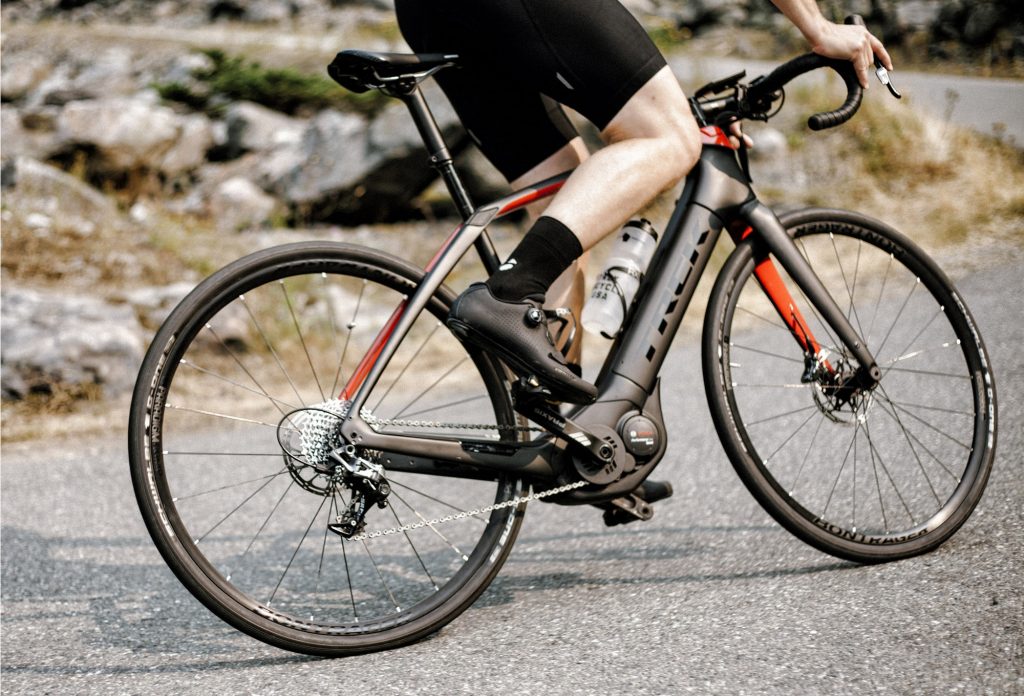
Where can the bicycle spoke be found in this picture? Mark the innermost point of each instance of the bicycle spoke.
(238, 507)
(259, 392)
(244, 369)
(849, 289)
(765, 352)
(812, 407)
(296, 552)
(888, 475)
(929, 373)
(913, 450)
(912, 341)
(441, 407)
(899, 314)
(302, 340)
(267, 520)
(225, 416)
(323, 549)
(380, 575)
(920, 444)
(436, 500)
(414, 550)
(842, 468)
(800, 427)
(270, 347)
(397, 379)
(179, 498)
(401, 413)
(878, 484)
(931, 408)
(928, 425)
(348, 337)
(803, 462)
(878, 302)
(432, 527)
(344, 555)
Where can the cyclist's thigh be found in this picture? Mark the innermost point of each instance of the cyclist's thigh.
(521, 57)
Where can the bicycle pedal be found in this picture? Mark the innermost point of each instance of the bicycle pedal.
(637, 506)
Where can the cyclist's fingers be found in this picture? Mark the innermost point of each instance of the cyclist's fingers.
(879, 50)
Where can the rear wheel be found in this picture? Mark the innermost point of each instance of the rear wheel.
(229, 443)
(878, 474)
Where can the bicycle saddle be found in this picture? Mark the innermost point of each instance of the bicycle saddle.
(360, 71)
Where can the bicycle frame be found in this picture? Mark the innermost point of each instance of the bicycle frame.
(717, 195)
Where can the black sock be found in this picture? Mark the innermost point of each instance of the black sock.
(547, 249)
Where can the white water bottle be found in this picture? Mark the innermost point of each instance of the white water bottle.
(616, 287)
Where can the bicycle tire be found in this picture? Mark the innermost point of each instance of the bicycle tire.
(208, 478)
(797, 451)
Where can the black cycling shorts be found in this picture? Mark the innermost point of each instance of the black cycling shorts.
(522, 58)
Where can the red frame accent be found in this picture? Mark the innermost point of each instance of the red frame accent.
(356, 380)
(775, 288)
(505, 206)
(713, 135)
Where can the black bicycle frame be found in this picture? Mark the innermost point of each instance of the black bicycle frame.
(717, 195)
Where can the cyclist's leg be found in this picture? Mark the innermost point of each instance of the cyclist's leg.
(569, 290)
(653, 143)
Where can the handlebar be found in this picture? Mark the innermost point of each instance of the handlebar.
(755, 100)
(761, 91)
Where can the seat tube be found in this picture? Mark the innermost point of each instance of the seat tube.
(779, 243)
(441, 160)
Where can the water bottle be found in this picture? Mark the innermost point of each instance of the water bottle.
(617, 285)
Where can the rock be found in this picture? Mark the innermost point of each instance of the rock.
(18, 140)
(22, 75)
(983, 21)
(189, 151)
(51, 339)
(128, 133)
(255, 128)
(153, 304)
(57, 194)
(334, 157)
(238, 203)
(918, 14)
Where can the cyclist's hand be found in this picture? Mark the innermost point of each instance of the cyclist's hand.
(736, 132)
(853, 43)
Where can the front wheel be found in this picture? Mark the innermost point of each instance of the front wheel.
(868, 475)
(230, 448)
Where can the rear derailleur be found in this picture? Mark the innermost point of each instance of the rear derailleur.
(368, 487)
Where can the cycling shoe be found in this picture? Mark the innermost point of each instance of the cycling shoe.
(517, 333)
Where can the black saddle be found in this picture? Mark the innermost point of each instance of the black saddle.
(361, 71)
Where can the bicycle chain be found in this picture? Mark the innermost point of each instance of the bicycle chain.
(471, 513)
(373, 420)
(514, 502)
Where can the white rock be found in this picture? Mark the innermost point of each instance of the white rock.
(238, 203)
(191, 147)
(255, 128)
(54, 338)
(128, 132)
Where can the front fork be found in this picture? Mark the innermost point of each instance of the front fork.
(776, 242)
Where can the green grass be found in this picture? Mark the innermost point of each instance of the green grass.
(234, 78)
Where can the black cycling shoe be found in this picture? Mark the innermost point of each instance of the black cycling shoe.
(517, 333)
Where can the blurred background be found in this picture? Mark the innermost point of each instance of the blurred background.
(145, 144)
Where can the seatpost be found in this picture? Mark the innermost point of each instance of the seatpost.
(440, 159)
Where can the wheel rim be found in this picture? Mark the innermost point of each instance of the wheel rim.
(889, 465)
(252, 522)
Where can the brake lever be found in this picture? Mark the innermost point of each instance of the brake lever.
(883, 76)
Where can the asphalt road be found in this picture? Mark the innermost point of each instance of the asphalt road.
(709, 597)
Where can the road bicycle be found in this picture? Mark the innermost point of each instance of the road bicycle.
(326, 467)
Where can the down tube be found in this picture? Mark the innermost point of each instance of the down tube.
(671, 284)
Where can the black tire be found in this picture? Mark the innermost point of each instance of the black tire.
(894, 474)
(243, 525)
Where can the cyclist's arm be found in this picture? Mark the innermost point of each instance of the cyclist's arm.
(843, 41)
